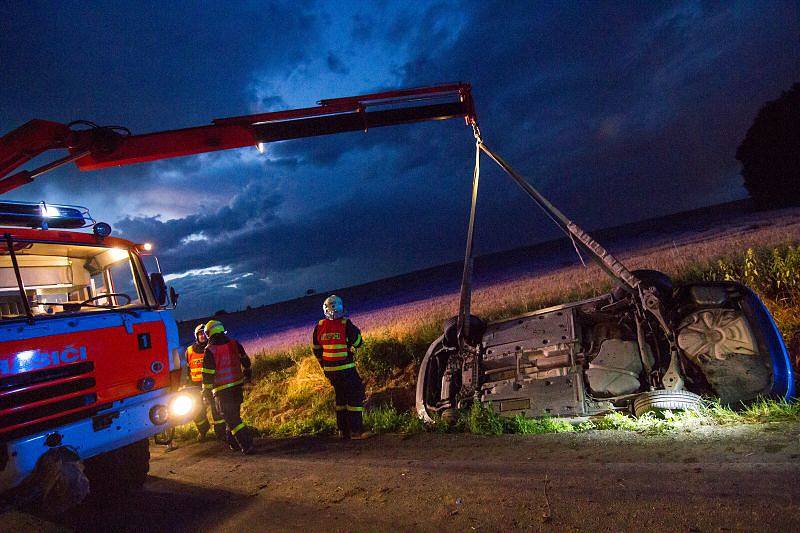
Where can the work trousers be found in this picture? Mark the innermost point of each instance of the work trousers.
(201, 420)
(350, 396)
(229, 403)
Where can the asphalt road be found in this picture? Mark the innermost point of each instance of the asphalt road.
(704, 480)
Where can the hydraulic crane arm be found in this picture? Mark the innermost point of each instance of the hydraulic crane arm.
(94, 147)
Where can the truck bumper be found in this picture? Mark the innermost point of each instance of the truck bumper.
(125, 422)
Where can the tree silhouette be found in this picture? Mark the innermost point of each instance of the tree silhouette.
(770, 152)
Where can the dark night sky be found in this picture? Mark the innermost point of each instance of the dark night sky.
(617, 111)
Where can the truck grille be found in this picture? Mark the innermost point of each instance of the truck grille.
(37, 400)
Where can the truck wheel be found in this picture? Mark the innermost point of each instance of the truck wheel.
(663, 400)
(119, 471)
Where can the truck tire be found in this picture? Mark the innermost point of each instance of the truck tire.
(663, 400)
(119, 471)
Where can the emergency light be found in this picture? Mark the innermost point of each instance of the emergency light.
(43, 215)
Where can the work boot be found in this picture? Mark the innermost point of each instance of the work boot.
(362, 436)
(245, 440)
(232, 443)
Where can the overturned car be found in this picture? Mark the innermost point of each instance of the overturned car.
(648, 345)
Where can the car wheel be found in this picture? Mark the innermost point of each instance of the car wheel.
(663, 400)
(477, 328)
(650, 278)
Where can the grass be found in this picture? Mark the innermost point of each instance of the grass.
(290, 396)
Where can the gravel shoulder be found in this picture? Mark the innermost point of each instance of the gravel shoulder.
(707, 479)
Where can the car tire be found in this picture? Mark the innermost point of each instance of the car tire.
(650, 278)
(119, 471)
(663, 400)
(477, 328)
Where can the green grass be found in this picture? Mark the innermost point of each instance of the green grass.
(482, 420)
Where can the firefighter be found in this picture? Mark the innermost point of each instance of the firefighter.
(194, 362)
(333, 342)
(225, 369)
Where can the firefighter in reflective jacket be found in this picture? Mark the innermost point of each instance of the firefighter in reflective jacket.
(194, 362)
(333, 342)
(225, 369)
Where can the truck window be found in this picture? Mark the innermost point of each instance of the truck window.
(66, 279)
(122, 280)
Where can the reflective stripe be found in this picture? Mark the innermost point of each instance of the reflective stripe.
(207, 386)
(228, 385)
(340, 367)
(341, 407)
(338, 355)
(203, 424)
(335, 347)
(237, 429)
(209, 371)
(358, 340)
(218, 422)
(351, 408)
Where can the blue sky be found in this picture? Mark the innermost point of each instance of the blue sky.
(617, 111)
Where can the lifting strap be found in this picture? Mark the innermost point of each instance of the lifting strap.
(575, 233)
(462, 325)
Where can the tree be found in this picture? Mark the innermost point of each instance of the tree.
(770, 152)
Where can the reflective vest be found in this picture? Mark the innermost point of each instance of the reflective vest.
(332, 336)
(195, 361)
(227, 368)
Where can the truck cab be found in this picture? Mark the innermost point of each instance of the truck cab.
(90, 361)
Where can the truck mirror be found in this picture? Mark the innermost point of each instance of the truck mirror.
(159, 287)
(173, 297)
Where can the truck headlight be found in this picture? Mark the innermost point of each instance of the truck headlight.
(182, 404)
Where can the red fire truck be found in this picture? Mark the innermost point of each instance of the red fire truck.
(89, 353)
(90, 362)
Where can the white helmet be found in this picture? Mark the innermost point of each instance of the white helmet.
(333, 307)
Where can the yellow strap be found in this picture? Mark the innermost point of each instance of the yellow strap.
(341, 407)
(228, 385)
(334, 346)
(340, 367)
(351, 408)
(209, 371)
(357, 341)
(217, 422)
(208, 386)
(237, 429)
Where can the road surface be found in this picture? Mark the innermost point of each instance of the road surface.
(742, 478)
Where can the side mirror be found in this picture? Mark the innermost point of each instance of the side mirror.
(173, 297)
(159, 288)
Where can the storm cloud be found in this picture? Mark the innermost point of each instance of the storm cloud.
(618, 112)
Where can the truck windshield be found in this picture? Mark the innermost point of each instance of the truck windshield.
(65, 279)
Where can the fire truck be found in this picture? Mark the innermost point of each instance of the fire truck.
(90, 362)
(89, 353)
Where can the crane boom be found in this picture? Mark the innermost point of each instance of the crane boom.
(96, 147)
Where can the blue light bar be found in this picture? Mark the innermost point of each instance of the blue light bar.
(43, 215)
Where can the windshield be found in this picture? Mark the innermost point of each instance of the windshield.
(65, 278)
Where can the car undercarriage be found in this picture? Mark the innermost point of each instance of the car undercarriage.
(648, 345)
